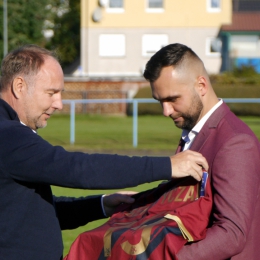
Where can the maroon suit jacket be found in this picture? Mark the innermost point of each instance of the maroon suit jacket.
(233, 154)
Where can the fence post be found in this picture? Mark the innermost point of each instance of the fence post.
(72, 122)
(135, 123)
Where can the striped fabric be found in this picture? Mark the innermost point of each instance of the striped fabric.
(155, 226)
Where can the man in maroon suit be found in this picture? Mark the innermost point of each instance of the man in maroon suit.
(180, 83)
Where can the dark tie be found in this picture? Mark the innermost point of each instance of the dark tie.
(180, 146)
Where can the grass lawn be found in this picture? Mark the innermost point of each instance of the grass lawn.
(157, 135)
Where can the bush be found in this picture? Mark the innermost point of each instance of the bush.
(245, 71)
(245, 75)
(240, 91)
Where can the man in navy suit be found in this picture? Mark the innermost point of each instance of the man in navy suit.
(179, 81)
(31, 218)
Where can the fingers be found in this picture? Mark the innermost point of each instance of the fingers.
(197, 172)
(201, 161)
(111, 201)
(115, 199)
(126, 199)
(188, 163)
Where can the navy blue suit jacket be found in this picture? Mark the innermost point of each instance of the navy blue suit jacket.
(31, 218)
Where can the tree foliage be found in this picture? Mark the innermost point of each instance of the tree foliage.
(66, 39)
(26, 20)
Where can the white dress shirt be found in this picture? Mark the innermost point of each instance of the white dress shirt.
(189, 136)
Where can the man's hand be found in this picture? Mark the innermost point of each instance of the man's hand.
(111, 201)
(188, 163)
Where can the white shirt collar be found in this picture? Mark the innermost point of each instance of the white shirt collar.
(188, 136)
(26, 125)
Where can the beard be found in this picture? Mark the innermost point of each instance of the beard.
(190, 118)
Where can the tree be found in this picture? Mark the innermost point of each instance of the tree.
(26, 21)
(66, 28)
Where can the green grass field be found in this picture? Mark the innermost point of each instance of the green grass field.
(112, 133)
(157, 135)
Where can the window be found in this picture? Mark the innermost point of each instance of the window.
(115, 3)
(213, 46)
(214, 6)
(115, 6)
(155, 3)
(112, 45)
(151, 43)
(154, 6)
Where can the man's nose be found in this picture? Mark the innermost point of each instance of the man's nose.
(57, 104)
(167, 109)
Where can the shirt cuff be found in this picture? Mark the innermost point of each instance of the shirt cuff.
(102, 205)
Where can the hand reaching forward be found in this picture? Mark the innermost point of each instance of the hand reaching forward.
(188, 163)
(111, 201)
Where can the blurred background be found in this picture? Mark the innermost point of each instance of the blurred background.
(103, 47)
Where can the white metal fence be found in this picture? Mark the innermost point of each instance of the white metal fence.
(135, 102)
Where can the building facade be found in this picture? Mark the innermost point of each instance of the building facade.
(119, 36)
(241, 38)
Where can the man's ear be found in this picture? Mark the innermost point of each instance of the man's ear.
(18, 86)
(202, 85)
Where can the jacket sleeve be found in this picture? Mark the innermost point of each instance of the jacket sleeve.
(235, 182)
(27, 157)
(75, 212)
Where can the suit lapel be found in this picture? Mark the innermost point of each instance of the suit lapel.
(210, 125)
